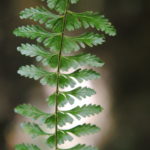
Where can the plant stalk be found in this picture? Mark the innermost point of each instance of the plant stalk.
(58, 74)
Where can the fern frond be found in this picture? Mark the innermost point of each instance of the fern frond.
(81, 147)
(53, 40)
(63, 119)
(90, 39)
(62, 138)
(26, 147)
(51, 59)
(30, 111)
(84, 129)
(38, 73)
(33, 129)
(63, 135)
(33, 32)
(41, 35)
(54, 49)
(89, 19)
(85, 75)
(85, 111)
(50, 78)
(59, 5)
(79, 60)
(75, 43)
(40, 14)
(69, 96)
(37, 51)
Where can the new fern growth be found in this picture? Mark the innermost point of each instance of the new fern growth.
(52, 49)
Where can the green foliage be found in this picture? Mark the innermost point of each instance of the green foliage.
(53, 40)
(85, 111)
(30, 111)
(33, 129)
(84, 129)
(50, 78)
(51, 59)
(81, 147)
(26, 147)
(62, 138)
(63, 119)
(69, 96)
(54, 49)
(90, 19)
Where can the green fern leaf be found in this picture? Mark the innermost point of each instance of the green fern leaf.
(81, 92)
(59, 5)
(30, 111)
(90, 39)
(74, 1)
(68, 97)
(89, 19)
(33, 50)
(50, 121)
(51, 59)
(26, 147)
(51, 40)
(85, 111)
(85, 74)
(43, 16)
(54, 53)
(84, 129)
(33, 32)
(40, 14)
(81, 147)
(63, 119)
(80, 60)
(46, 78)
(51, 141)
(50, 78)
(33, 129)
(75, 43)
(62, 138)
(38, 73)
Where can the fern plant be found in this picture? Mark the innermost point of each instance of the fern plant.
(55, 49)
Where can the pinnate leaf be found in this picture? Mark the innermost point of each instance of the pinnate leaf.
(75, 43)
(76, 61)
(28, 110)
(26, 147)
(33, 50)
(59, 5)
(90, 39)
(82, 59)
(84, 75)
(50, 78)
(69, 96)
(62, 138)
(40, 14)
(38, 73)
(85, 111)
(51, 40)
(90, 19)
(81, 147)
(84, 129)
(62, 119)
(33, 129)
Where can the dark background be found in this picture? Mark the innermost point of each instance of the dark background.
(127, 58)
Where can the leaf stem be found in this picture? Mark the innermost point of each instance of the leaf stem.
(58, 74)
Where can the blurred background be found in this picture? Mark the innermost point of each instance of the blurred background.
(123, 90)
